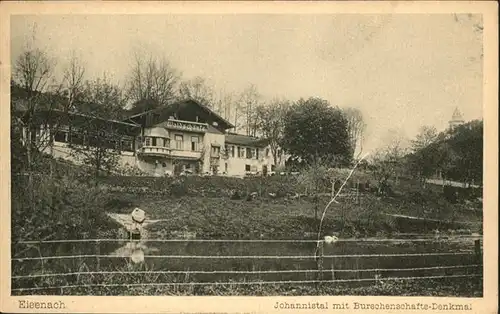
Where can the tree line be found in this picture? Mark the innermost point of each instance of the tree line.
(455, 154)
(310, 130)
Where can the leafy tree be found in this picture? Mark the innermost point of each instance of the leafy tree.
(428, 160)
(456, 153)
(317, 133)
(466, 156)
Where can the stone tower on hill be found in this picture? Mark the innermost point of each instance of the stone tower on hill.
(456, 119)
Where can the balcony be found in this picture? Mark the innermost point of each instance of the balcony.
(154, 151)
(185, 154)
(168, 152)
(187, 126)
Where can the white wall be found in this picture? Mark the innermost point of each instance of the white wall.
(237, 165)
(156, 131)
(150, 166)
(216, 139)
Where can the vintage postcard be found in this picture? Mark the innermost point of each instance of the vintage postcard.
(249, 157)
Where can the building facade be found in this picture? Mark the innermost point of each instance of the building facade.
(188, 137)
(183, 138)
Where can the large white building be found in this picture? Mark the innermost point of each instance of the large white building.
(183, 137)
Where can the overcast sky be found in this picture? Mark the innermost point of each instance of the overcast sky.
(402, 71)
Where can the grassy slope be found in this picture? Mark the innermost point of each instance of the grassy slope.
(69, 209)
(212, 216)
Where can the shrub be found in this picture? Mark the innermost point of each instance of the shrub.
(63, 209)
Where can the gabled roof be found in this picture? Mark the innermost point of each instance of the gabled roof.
(244, 140)
(221, 120)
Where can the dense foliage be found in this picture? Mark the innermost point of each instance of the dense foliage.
(457, 154)
(316, 132)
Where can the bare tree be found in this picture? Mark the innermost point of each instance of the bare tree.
(356, 128)
(249, 100)
(152, 79)
(102, 98)
(33, 118)
(94, 141)
(32, 76)
(198, 90)
(425, 137)
(96, 144)
(387, 164)
(73, 80)
(237, 113)
(270, 123)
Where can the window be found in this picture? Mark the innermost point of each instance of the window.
(231, 149)
(241, 152)
(257, 153)
(194, 143)
(254, 153)
(225, 167)
(249, 153)
(247, 167)
(215, 151)
(93, 140)
(77, 138)
(153, 141)
(60, 137)
(166, 142)
(147, 141)
(127, 145)
(178, 141)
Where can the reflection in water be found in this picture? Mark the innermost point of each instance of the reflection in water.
(134, 223)
(134, 250)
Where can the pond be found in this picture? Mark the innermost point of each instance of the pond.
(275, 261)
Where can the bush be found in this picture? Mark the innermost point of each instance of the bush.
(63, 209)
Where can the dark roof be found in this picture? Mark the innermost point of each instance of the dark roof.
(59, 117)
(180, 103)
(244, 140)
(52, 101)
(213, 130)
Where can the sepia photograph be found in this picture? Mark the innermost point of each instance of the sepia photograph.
(253, 154)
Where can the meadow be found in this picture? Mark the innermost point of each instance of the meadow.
(70, 207)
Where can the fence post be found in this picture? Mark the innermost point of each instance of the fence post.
(357, 192)
(477, 250)
(333, 269)
(98, 253)
(321, 245)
